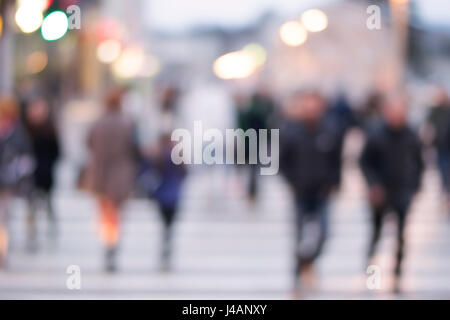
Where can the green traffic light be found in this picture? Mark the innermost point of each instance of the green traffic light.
(54, 26)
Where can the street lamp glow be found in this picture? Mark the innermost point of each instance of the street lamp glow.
(36, 62)
(257, 52)
(28, 18)
(42, 5)
(234, 65)
(293, 33)
(129, 64)
(55, 26)
(314, 20)
(109, 50)
(45, 4)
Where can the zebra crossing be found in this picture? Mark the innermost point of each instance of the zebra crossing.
(226, 248)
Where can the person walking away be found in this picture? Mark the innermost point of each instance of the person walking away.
(438, 125)
(309, 147)
(392, 164)
(343, 118)
(167, 193)
(256, 115)
(370, 113)
(46, 150)
(16, 165)
(111, 170)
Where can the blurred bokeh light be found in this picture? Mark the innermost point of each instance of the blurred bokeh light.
(29, 16)
(54, 26)
(130, 63)
(293, 33)
(36, 62)
(109, 50)
(234, 65)
(314, 20)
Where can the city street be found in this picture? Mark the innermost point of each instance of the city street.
(161, 149)
(225, 249)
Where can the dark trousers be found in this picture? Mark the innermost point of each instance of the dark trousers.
(400, 208)
(253, 181)
(312, 229)
(168, 215)
(444, 168)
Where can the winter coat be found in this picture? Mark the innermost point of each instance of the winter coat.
(393, 159)
(112, 164)
(309, 158)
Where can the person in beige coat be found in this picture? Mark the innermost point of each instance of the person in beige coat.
(111, 169)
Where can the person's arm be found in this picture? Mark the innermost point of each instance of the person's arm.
(55, 145)
(369, 163)
(287, 149)
(420, 165)
(336, 135)
(25, 152)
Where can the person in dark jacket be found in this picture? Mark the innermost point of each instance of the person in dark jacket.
(392, 164)
(16, 165)
(343, 118)
(439, 122)
(309, 147)
(45, 144)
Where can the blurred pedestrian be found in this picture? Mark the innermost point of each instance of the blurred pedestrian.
(438, 125)
(167, 191)
(371, 112)
(342, 117)
(255, 115)
(46, 150)
(309, 147)
(392, 165)
(169, 105)
(111, 170)
(16, 165)
(160, 178)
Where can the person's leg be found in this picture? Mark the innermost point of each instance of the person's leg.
(299, 224)
(312, 232)
(49, 204)
(168, 217)
(109, 230)
(444, 167)
(32, 202)
(52, 221)
(321, 219)
(3, 229)
(377, 224)
(401, 222)
(253, 183)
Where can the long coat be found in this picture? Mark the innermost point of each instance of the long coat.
(393, 159)
(309, 158)
(111, 169)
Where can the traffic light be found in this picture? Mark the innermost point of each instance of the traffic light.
(54, 26)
